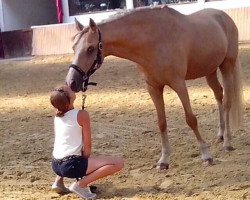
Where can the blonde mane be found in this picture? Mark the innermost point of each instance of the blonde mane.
(124, 13)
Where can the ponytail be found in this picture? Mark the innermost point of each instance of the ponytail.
(60, 113)
(60, 100)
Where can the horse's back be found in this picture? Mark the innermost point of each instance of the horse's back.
(220, 18)
(214, 37)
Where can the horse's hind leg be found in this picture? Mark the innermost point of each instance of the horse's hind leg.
(215, 85)
(227, 69)
(156, 94)
(179, 86)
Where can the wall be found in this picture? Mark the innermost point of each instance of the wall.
(188, 8)
(17, 43)
(227, 4)
(84, 19)
(21, 14)
(56, 39)
(238, 10)
(56, 45)
(241, 17)
(1, 15)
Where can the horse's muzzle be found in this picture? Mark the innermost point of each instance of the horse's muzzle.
(72, 84)
(74, 80)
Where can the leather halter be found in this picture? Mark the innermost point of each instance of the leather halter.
(96, 65)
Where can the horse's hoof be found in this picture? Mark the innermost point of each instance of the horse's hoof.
(220, 139)
(207, 162)
(228, 149)
(162, 166)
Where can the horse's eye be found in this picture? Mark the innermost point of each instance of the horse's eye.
(90, 49)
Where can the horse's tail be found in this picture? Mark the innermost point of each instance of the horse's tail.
(236, 111)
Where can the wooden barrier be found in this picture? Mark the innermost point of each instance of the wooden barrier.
(56, 39)
(241, 17)
(48, 40)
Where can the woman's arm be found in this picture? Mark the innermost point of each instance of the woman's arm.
(84, 121)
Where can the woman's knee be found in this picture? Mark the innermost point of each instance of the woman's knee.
(119, 163)
(116, 162)
(100, 161)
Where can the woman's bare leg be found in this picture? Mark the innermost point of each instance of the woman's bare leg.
(59, 187)
(59, 180)
(99, 167)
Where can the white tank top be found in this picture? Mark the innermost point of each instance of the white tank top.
(68, 135)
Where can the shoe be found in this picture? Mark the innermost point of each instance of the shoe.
(60, 189)
(84, 193)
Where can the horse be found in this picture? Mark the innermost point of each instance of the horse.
(169, 48)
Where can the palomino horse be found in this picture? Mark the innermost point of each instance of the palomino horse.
(169, 48)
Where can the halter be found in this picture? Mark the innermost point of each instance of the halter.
(96, 65)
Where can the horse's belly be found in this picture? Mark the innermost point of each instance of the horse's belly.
(204, 63)
(198, 73)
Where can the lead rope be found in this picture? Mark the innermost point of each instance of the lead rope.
(93, 188)
(84, 96)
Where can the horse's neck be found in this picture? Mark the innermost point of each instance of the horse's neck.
(121, 38)
(131, 36)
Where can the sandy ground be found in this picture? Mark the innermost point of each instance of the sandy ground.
(123, 123)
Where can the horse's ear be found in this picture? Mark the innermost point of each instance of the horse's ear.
(79, 26)
(92, 25)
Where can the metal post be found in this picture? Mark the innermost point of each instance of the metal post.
(129, 4)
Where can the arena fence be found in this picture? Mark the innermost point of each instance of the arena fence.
(57, 39)
(16, 43)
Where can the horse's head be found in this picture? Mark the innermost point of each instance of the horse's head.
(87, 55)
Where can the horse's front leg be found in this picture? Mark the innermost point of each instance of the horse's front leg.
(156, 94)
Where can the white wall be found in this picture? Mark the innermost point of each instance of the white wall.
(99, 16)
(59, 37)
(84, 19)
(186, 8)
(201, 4)
(1, 16)
(227, 4)
(21, 14)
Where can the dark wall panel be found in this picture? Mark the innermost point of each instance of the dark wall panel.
(1, 46)
(17, 43)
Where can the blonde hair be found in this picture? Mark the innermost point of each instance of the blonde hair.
(60, 100)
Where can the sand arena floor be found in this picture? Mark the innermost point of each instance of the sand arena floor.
(123, 123)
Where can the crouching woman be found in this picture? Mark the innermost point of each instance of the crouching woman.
(72, 147)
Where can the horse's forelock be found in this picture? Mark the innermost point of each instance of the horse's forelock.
(79, 34)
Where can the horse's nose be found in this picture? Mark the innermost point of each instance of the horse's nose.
(72, 85)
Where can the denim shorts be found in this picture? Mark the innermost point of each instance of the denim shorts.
(74, 167)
